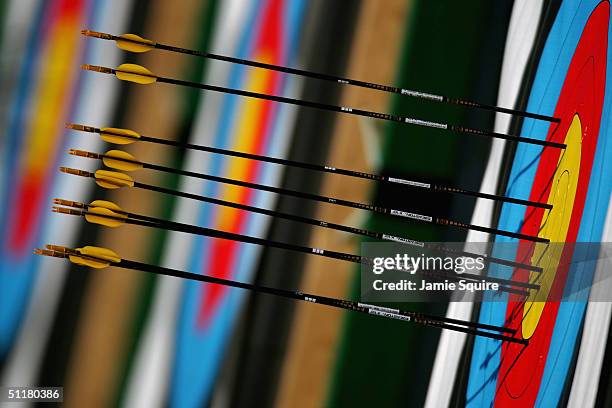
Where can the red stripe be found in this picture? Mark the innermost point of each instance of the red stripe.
(28, 197)
(224, 253)
(521, 369)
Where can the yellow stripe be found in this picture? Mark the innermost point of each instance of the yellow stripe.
(246, 137)
(554, 226)
(53, 90)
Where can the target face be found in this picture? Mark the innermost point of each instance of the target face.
(570, 84)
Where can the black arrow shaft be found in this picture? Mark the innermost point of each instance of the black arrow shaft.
(325, 224)
(315, 197)
(261, 241)
(271, 189)
(419, 318)
(210, 232)
(335, 108)
(345, 203)
(152, 222)
(360, 112)
(443, 322)
(345, 172)
(347, 81)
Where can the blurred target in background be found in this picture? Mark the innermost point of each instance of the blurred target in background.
(115, 338)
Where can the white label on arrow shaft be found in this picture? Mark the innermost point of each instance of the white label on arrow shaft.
(411, 215)
(426, 123)
(387, 314)
(402, 240)
(409, 182)
(380, 308)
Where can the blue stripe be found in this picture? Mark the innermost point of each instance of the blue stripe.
(200, 352)
(552, 69)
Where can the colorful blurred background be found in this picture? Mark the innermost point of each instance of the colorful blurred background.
(116, 337)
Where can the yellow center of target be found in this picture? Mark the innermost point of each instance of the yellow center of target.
(555, 225)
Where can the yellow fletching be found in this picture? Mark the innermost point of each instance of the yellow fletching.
(99, 252)
(100, 215)
(113, 179)
(105, 204)
(117, 159)
(135, 73)
(119, 136)
(94, 257)
(92, 263)
(134, 43)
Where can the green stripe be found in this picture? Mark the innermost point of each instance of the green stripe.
(3, 5)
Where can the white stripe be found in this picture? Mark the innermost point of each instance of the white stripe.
(595, 333)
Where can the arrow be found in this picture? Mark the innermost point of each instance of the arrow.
(91, 256)
(127, 161)
(125, 136)
(113, 210)
(140, 75)
(112, 216)
(407, 316)
(114, 157)
(135, 43)
(97, 213)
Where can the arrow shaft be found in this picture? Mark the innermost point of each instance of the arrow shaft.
(274, 160)
(371, 234)
(361, 112)
(270, 189)
(473, 328)
(346, 203)
(347, 81)
(210, 232)
(329, 200)
(121, 217)
(324, 106)
(423, 319)
(345, 172)
(290, 217)
(333, 226)
(152, 222)
(193, 229)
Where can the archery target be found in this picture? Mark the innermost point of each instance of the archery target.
(570, 84)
